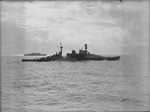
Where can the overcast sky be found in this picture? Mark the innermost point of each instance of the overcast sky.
(108, 27)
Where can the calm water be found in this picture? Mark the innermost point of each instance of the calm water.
(85, 86)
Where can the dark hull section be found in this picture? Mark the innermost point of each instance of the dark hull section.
(95, 59)
(72, 59)
(104, 58)
(35, 60)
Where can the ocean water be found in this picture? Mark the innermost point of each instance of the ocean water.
(84, 86)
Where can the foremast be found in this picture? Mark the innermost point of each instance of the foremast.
(61, 47)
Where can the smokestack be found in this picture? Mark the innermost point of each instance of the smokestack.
(85, 47)
(61, 48)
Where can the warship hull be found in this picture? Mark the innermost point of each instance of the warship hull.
(34, 60)
(65, 59)
(82, 55)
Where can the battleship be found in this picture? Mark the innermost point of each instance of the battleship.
(35, 54)
(73, 56)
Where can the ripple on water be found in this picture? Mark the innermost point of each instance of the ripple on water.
(74, 87)
(71, 85)
(75, 97)
(51, 88)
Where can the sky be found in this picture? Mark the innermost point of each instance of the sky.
(108, 27)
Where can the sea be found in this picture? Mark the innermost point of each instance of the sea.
(75, 86)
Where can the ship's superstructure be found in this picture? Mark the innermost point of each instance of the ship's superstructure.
(83, 55)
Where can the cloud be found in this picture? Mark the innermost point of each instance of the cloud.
(38, 39)
(12, 38)
(110, 25)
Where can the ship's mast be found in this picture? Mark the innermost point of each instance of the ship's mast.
(85, 47)
(61, 48)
